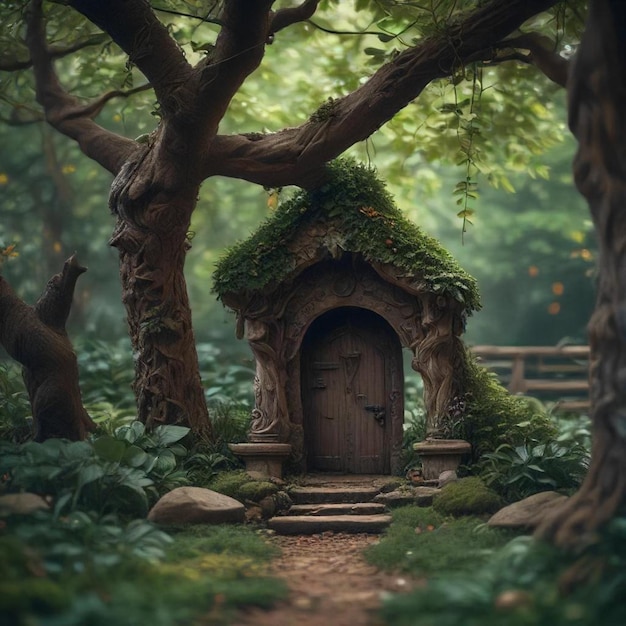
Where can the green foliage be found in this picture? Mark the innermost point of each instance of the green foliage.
(121, 473)
(467, 496)
(520, 585)
(106, 372)
(423, 542)
(493, 416)
(414, 426)
(15, 411)
(367, 222)
(207, 459)
(79, 570)
(520, 471)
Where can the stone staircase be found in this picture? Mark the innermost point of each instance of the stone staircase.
(346, 509)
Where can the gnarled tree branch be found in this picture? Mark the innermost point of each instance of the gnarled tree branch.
(542, 55)
(286, 17)
(36, 338)
(66, 113)
(297, 155)
(55, 52)
(238, 52)
(134, 27)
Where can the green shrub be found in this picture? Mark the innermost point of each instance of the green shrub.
(15, 411)
(467, 496)
(493, 416)
(521, 471)
(122, 473)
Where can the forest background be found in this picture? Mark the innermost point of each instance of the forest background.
(501, 201)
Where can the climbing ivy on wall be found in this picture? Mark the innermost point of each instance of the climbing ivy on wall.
(356, 201)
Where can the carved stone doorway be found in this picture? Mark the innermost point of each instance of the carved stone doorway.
(352, 392)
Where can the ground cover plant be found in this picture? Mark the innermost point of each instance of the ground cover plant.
(78, 570)
(524, 583)
(423, 542)
(89, 556)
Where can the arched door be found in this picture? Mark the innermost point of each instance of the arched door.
(351, 391)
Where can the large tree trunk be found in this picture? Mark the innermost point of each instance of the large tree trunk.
(36, 338)
(151, 236)
(597, 116)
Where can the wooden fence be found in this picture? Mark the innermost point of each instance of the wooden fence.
(557, 374)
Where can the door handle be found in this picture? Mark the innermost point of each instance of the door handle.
(378, 412)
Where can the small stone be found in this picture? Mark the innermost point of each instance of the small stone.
(254, 514)
(527, 513)
(195, 505)
(446, 477)
(513, 599)
(21, 504)
(268, 506)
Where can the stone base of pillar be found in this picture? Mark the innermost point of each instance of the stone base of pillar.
(439, 455)
(262, 459)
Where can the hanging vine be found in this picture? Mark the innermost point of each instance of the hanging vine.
(468, 129)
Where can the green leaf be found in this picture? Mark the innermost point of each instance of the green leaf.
(109, 448)
(168, 434)
(134, 456)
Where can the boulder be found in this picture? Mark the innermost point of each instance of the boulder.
(527, 513)
(21, 504)
(195, 505)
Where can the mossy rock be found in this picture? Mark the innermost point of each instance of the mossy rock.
(240, 486)
(229, 483)
(468, 496)
(256, 490)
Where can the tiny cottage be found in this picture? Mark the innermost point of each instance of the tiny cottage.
(328, 292)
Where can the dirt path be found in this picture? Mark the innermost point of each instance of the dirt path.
(330, 583)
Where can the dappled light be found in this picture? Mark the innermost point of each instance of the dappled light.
(266, 203)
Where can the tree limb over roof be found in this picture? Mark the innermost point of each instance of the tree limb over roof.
(195, 99)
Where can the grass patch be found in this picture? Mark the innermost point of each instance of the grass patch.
(475, 577)
(207, 573)
(422, 542)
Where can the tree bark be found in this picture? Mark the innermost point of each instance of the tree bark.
(597, 92)
(36, 338)
(157, 182)
(151, 236)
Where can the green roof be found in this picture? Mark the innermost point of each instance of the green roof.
(367, 221)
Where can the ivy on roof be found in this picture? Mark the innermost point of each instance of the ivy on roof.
(357, 202)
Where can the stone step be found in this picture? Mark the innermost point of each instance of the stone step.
(330, 495)
(343, 508)
(312, 524)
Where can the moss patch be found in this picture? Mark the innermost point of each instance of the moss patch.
(363, 211)
(468, 496)
(424, 543)
(493, 416)
(257, 490)
(240, 486)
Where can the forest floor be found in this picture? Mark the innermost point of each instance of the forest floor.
(330, 583)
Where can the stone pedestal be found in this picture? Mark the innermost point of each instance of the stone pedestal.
(263, 459)
(439, 455)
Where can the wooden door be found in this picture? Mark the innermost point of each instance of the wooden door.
(351, 360)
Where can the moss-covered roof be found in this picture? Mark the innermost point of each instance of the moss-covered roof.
(363, 211)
